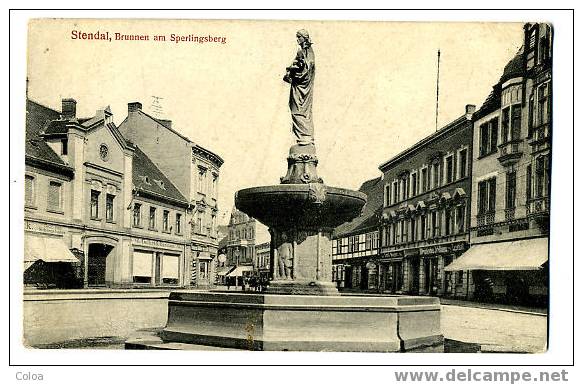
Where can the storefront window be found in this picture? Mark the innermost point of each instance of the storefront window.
(142, 266)
(170, 267)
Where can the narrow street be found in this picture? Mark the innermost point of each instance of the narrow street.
(495, 330)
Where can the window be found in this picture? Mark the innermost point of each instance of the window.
(95, 204)
(505, 127)
(423, 227)
(460, 213)
(530, 115)
(484, 139)
(142, 266)
(413, 229)
(404, 188)
(199, 225)
(435, 224)
(54, 196)
(137, 215)
(543, 104)
(64, 146)
(487, 196)
(528, 182)
(201, 177)
(405, 230)
(449, 169)
(152, 219)
(448, 220)
(542, 176)
(511, 190)
(463, 163)
(424, 184)
(178, 223)
(435, 175)
(394, 234)
(29, 190)
(387, 195)
(492, 195)
(493, 135)
(516, 122)
(414, 184)
(165, 215)
(395, 192)
(109, 207)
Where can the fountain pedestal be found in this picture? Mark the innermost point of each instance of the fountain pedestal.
(301, 309)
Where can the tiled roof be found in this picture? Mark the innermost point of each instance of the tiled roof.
(37, 117)
(148, 178)
(514, 68)
(370, 213)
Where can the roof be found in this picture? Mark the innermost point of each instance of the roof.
(37, 117)
(148, 179)
(515, 67)
(423, 142)
(370, 213)
(491, 103)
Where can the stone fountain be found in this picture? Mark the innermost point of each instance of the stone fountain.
(301, 309)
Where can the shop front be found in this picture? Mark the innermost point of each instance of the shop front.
(48, 259)
(511, 271)
(157, 263)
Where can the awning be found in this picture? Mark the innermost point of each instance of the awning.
(224, 270)
(527, 254)
(238, 271)
(46, 249)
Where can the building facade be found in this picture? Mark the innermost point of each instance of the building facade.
(426, 212)
(356, 262)
(511, 178)
(195, 172)
(84, 184)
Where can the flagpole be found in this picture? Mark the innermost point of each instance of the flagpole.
(437, 96)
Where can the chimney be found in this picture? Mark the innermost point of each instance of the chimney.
(470, 109)
(68, 108)
(134, 107)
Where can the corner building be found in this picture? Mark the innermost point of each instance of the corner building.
(97, 211)
(511, 169)
(426, 212)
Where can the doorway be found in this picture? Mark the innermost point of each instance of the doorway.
(97, 263)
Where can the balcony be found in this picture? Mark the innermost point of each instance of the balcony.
(510, 152)
(538, 207)
(509, 213)
(541, 137)
(485, 219)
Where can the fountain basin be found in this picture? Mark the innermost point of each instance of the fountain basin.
(306, 206)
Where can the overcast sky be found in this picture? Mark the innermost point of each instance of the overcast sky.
(374, 88)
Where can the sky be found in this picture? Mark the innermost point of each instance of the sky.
(374, 95)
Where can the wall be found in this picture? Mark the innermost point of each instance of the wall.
(54, 316)
(170, 152)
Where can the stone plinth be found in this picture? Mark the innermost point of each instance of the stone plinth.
(301, 323)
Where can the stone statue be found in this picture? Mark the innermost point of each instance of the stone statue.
(301, 75)
(285, 258)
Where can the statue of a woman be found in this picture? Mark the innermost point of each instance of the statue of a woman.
(301, 77)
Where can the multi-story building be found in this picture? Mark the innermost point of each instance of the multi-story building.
(355, 245)
(195, 172)
(511, 178)
(96, 201)
(426, 211)
(247, 245)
